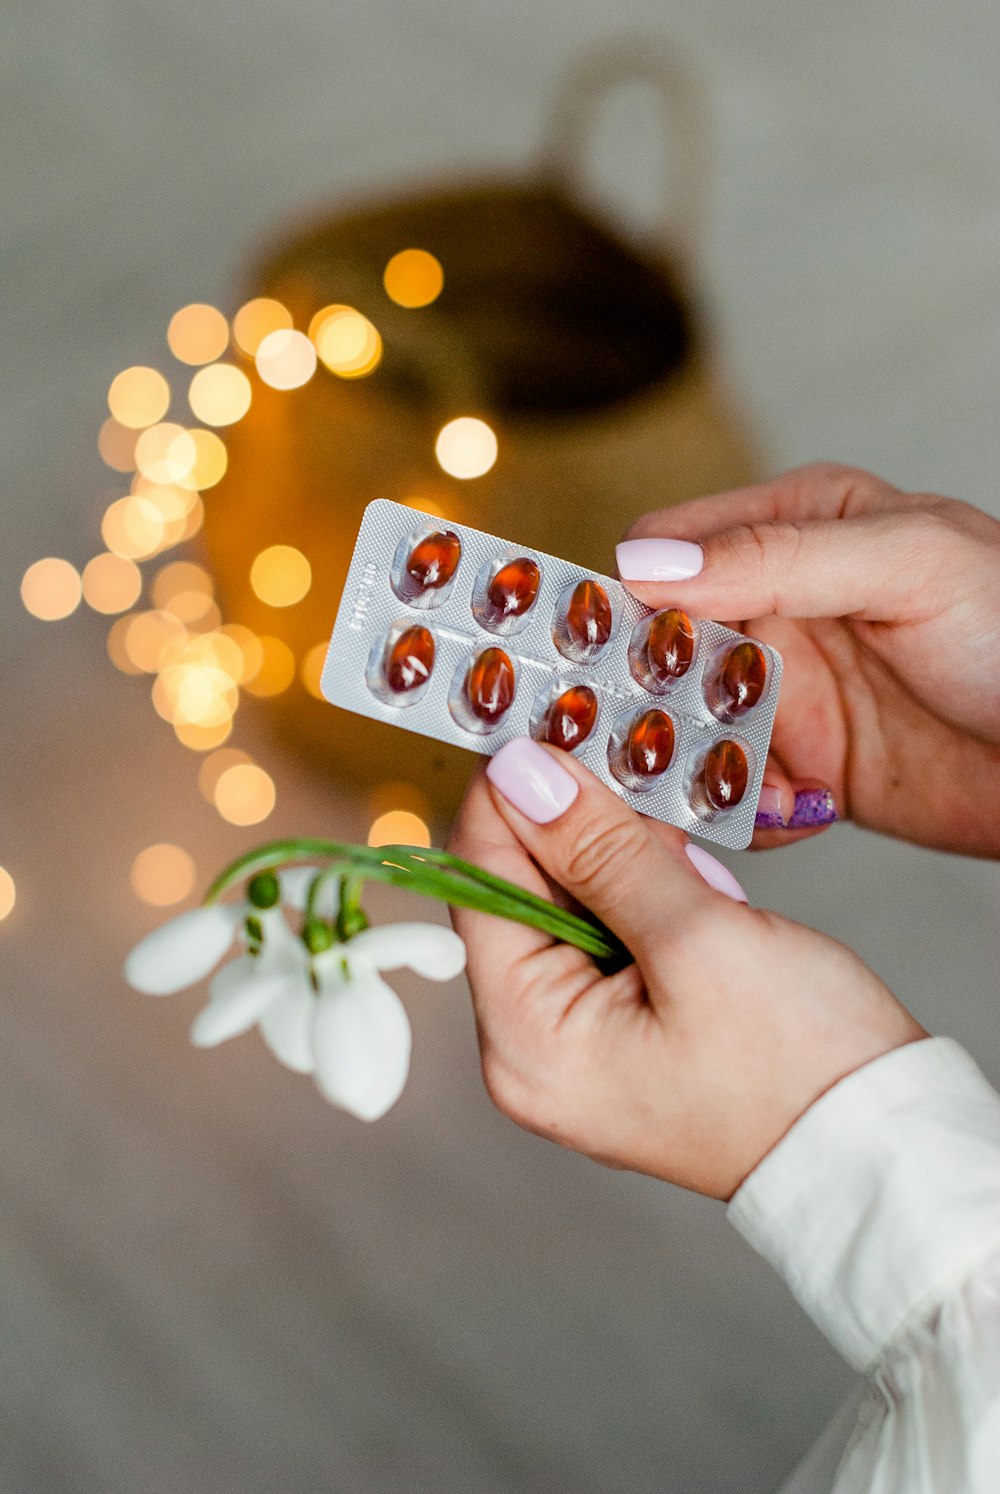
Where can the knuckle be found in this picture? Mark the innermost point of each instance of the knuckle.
(599, 847)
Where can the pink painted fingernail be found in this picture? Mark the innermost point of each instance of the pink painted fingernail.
(658, 560)
(769, 815)
(532, 780)
(714, 873)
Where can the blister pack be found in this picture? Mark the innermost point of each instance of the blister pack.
(464, 637)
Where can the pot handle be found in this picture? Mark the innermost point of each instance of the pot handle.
(684, 117)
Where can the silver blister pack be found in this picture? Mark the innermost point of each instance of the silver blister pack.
(425, 599)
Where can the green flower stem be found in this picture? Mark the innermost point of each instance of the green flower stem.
(432, 873)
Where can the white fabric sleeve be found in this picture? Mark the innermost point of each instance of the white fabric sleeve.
(881, 1209)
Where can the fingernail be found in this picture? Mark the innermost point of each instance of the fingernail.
(769, 816)
(532, 780)
(714, 873)
(813, 807)
(658, 560)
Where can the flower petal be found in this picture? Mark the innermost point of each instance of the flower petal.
(295, 883)
(361, 1038)
(428, 948)
(286, 1027)
(239, 994)
(183, 951)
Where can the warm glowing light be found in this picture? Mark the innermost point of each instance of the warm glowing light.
(254, 321)
(198, 333)
(132, 527)
(281, 575)
(399, 827)
(211, 459)
(202, 738)
(111, 583)
(146, 638)
(311, 668)
(250, 649)
(166, 453)
(244, 794)
(138, 397)
(177, 577)
(276, 671)
(213, 767)
(194, 695)
(286, 359)
(8, 893)
(219, 394)
(116, 443)
(346, 341)
(162, 874)
(117, 650)
(413, 278)
(51, 589)
(466, 447)
(173, 501)
(395, 794)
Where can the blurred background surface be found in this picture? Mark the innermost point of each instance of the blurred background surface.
(209, 1280)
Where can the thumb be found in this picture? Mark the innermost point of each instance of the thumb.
(869, 566)
(592, 844)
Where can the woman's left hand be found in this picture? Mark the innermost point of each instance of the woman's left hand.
(691, 1063)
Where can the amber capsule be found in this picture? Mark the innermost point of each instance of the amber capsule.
(588, 621)
(670, 645)
(433, 560)
(649, 745)
(409, 661)
(740, 681)
(489, 685)
(725, 774)
(513, 589)
(570, 718)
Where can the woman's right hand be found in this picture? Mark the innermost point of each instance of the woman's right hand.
(885, 606)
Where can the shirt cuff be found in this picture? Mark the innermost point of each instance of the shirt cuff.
(882, 1195)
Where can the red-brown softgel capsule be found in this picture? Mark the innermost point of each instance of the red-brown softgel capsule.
(588, 616)
(741, 679)
(513, 588)
(408, 663)
(725, 774)
(670, 645)
(489, 685)
(570, 719)
(433, 560)
(649, 745)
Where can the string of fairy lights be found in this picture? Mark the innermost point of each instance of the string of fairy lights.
(167, 626)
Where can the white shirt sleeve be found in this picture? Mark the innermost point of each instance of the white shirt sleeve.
(881, 1209)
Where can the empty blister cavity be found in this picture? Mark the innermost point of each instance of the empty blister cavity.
(505, 592)
(565, 715)
(401, 664)
(736, 680)
(641, 748)
(483, 690)
(662, 649)
(425, 566)
(584, 622)
(718, 776)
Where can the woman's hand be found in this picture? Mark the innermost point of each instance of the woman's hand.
(886, 608)
(694, 1061)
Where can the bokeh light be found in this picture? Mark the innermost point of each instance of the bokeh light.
(281, 575)
(51, 589)
(146, 637)
(413, 277)
(202, 738)
(166, 453)
(133, 527)
(174, 501)
(116, 444)
(213, 767)
(197, 333)
(219, 394)
(177, 578)
(347, 342)
(118, 646)
(211, 459)
(244, 794)
(398, 827)
(286, 359)
(396, 794)
(466, 447)
(311, 668)
(111, 583)
(255, 320)
(162, 874)
(250, 648)
(138, 397)
(8, 894)
(276, 670)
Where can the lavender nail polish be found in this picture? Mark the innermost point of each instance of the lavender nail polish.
(813, 807)
(532, 780)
